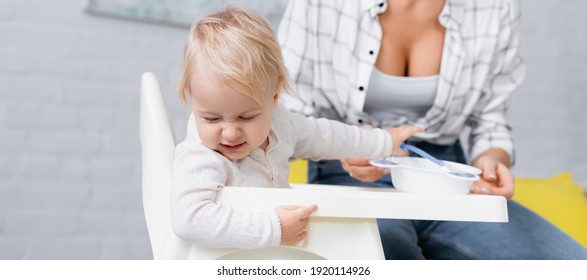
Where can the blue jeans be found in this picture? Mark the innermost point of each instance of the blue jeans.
(525, 236)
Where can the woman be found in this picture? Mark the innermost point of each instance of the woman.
(450, 66)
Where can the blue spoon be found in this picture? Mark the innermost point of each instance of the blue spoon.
(382, 163)
(438, 162)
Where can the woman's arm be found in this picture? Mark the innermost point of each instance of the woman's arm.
(489, 120)
(490, 141)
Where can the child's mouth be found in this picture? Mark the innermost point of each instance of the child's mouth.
(232, 147)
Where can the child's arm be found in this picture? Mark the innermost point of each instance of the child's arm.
(321, 139)
(198, 175)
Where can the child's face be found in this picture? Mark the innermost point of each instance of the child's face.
(227, 121)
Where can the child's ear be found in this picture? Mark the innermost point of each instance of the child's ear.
(276, 97)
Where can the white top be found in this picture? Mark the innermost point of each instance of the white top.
(394, 97)
(330, 48)
(199, 173)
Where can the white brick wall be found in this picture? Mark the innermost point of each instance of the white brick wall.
(69, 148)
(69, 153)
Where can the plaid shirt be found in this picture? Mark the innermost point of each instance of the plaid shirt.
(330, 48)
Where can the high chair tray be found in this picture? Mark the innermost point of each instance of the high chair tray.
(362, 202)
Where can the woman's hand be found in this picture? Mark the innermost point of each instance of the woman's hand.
(362, 170)
(294, 221)
(496, 177)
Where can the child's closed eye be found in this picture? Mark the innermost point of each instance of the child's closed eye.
(211, 120)
(248, 118)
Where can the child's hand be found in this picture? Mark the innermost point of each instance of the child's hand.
(294, 221)
(400, 135)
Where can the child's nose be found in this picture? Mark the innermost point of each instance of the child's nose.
(230, 132)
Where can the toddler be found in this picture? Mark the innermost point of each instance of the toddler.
(239, 135)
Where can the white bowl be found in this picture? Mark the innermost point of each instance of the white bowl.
(420, 175)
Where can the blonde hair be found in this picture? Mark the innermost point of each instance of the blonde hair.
(238, 47)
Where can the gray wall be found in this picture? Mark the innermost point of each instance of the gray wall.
(69, 153)
(548, 114)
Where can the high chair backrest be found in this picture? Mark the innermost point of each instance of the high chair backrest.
(157, 149)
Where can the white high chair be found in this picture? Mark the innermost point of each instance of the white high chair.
(343, 227)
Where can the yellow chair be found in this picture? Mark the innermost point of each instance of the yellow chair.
(558, 199)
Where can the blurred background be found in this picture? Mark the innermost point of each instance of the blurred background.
(70, 163)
